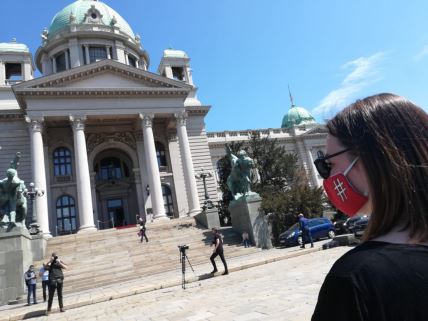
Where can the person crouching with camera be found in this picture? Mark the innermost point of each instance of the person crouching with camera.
(56, 281)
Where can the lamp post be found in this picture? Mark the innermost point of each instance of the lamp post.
(208, 204)
(31, 194)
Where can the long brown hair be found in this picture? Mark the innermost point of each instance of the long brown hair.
(390, 134)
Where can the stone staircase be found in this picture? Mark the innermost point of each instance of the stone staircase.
(113, 256)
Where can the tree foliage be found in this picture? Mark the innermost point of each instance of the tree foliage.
(281, 183)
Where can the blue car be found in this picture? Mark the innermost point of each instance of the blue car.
(319, 227)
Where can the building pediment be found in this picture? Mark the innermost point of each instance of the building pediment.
(104, 78)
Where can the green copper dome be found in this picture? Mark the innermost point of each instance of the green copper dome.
(297, 116)
(77, 10)
(13, 46)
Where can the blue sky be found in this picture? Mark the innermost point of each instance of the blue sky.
(246, 52)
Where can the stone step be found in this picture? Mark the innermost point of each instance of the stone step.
(113, 256)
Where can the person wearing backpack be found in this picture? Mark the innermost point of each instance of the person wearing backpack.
(31, 282)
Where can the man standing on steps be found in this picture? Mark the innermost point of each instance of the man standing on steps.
(306, 233)
(56, 280)
(218, 250)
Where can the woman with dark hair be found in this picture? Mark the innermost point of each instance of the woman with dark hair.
(376, 163)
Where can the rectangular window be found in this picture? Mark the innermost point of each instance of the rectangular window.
(97, 54)
(177, 73)
(132, 61)
(60, 62)
(13, 73)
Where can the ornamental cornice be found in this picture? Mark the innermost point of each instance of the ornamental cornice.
(11, 117)
(55, 92)
(93, 140)
(89, 71)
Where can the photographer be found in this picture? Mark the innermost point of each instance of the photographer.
(56, 279)
(218, 250)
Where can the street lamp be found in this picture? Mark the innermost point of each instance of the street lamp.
(208, 204)
(31, 193)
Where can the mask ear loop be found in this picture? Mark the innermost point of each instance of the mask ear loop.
(350, 166)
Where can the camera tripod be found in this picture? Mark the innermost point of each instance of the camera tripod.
(183, 257)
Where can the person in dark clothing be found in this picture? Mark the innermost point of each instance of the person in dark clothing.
(306, 233)
(56, 281)
(376, 163)
(31, 282)
(142, 232)
(218, 250)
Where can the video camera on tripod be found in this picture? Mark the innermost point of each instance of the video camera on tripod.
(182, 248)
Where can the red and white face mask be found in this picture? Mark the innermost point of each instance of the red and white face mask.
(341, 193)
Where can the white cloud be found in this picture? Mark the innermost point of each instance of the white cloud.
(421, 54)
(364, 71)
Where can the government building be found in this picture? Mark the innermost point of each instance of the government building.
(106, 138)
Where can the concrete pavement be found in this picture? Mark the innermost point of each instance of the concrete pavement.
(279, 284)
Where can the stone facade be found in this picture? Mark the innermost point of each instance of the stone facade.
(104, 137)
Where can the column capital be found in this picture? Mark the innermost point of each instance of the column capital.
(77, 122)
(35, 124)
(146, 120)
(181, 118)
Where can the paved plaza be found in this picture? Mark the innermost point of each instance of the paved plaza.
(282, 290)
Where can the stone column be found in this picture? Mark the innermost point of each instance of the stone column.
(138, 185)
(75, 53)
(186, 157)
(87, 55)
(83, 179)
(40, 204)
(108, 52)
(67, 62)
(2, 73)
(94, 198)
(152, 167)
(54, 65)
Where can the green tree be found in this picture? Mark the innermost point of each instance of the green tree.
(281, 183)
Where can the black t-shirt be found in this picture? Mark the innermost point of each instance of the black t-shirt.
(217, 236)
(55, 271)
(376, 281)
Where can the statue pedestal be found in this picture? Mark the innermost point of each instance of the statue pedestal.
(18, 250)
(245, 216)
(208, 218)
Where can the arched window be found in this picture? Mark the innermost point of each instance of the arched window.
(62, 161)
(111, 168)
(160, 154)
(66, 215)
(167, 200)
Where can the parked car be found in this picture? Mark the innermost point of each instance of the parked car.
(360, 226)
(340, 227)
(320, 227)
(350, 222)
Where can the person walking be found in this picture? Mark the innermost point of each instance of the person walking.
(306, 232)
(31, 282)
(56, 281)
(44, 274)
(142, 231)
(376, 163)
(218, 251)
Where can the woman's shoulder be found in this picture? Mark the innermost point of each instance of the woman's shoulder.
(373, 255)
